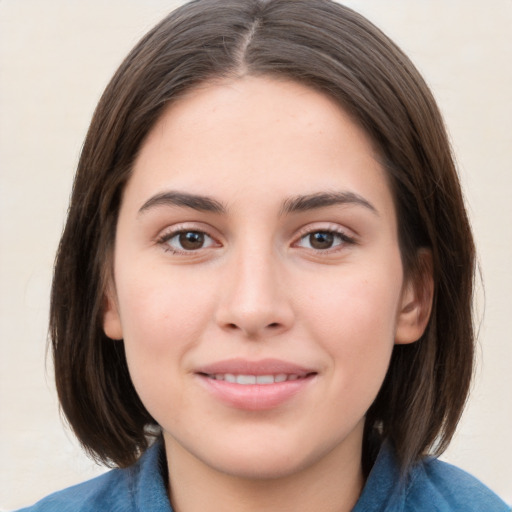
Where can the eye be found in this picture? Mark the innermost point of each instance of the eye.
(187, 241)
(323, 240)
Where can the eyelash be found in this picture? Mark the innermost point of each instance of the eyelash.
(343, 238)
(165, 238)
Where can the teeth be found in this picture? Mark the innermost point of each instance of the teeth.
(254, 379)
(246, 379)
(265, 379)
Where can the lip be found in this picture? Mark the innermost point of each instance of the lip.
(255, 397)
(239, 366)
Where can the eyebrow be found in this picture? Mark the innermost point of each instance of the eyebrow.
(184, 199)
(294, 204)
(323, 199)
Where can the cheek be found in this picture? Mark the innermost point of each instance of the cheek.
(161, 311)
(163, 320)
(355, 323)
(359, 311)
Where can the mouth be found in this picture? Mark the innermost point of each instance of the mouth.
(247, 379)
(255, 385)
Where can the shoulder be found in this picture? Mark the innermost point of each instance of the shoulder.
(446, 488)
(97, 494)
(429, 486)
(119, 489)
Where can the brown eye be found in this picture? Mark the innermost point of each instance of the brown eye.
(187, 241)
(321, 239)
(191, 240)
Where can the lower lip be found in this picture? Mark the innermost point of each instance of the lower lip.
(255, 397)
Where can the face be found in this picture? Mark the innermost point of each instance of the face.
(258, 283)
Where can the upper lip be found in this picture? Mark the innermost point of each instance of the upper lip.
(239, 366)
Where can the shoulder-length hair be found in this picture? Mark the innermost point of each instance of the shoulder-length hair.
(334, 50)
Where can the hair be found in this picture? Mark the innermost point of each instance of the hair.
(336, 51)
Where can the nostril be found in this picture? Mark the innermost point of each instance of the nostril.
(273, 325)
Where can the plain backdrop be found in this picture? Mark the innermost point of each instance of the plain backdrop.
(56, 56)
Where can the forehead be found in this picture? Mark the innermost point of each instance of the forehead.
(239, 138)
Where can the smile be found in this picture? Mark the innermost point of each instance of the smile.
(255, 385)
(255, 379)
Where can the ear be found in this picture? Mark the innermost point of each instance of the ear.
(416, 301)
(111, 319)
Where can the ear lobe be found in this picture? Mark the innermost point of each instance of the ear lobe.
(416, 301)
(111, 319)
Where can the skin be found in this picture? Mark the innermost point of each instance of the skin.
(260, 286)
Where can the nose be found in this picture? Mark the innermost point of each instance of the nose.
(254, 300)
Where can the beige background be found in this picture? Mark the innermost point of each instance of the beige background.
(56, 56)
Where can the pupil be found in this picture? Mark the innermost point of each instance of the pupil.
(191, 240)
(322, 240)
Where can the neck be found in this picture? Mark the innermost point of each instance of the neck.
(332, 484)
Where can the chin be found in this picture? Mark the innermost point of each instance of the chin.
(268, 461)
(261, 468)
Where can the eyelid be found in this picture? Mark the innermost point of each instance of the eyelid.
(347, 235)
(171, 231)
(325, 226)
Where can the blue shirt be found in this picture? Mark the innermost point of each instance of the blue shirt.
(432, 486)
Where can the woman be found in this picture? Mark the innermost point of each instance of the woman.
(267, 267)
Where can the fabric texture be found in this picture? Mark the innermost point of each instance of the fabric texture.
(431, 485)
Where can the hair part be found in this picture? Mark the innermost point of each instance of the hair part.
(339, 53)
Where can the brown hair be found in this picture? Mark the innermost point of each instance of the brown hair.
(336, 51)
